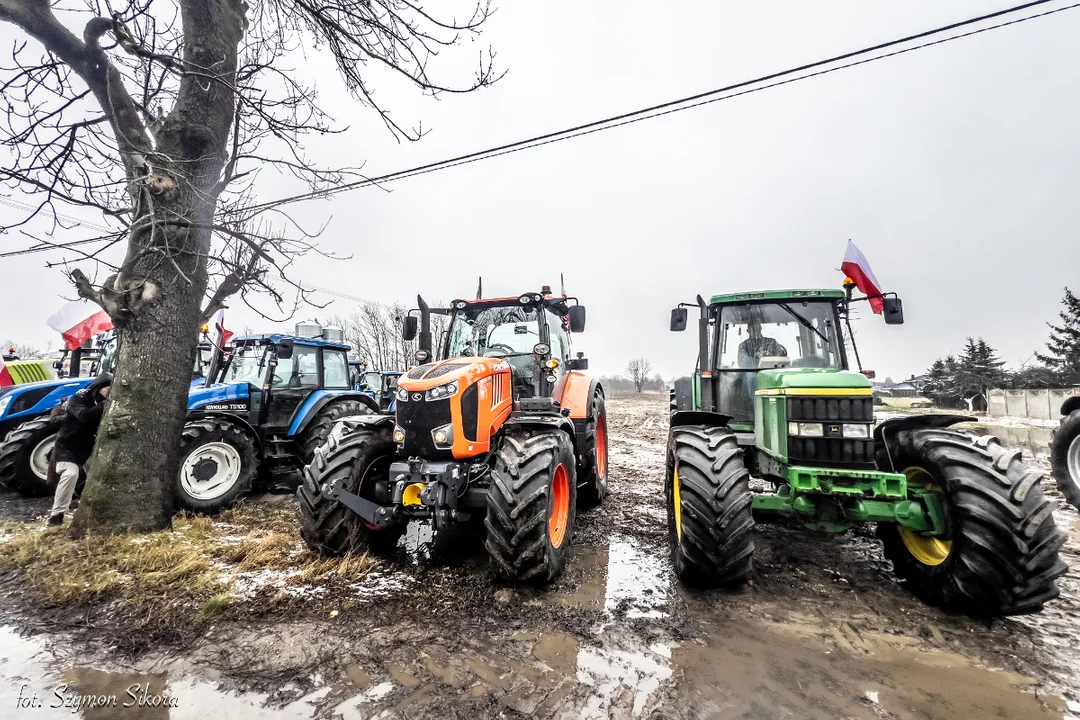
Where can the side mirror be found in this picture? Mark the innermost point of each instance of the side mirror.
(579, 363)
(284, 349)
(893, 309)
(408, 327)
(577, 318)
(678, 319)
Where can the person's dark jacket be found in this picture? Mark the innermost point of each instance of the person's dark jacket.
(82, 416)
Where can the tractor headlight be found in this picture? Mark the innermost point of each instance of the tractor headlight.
(402, 395)
(399, 434)
(856, 431)
(443, 436)
(541, 350)
(441, 391)
(807, 429)
(4, 402)
(422, 356)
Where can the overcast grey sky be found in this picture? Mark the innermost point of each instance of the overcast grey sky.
(955, 169)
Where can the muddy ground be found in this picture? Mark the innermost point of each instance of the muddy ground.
(822, 631)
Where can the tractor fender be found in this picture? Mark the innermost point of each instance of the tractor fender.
(885, 433)
(373, 421)
(699, 417)
(575, 391)
(546, 422)
(319, 399)
(1070, 406)
(230, 418)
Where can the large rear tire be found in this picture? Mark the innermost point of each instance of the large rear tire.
(531, 506)
(218, 463)
(24, 457)
(1065, 458)
(999, 555)
(593, 472)
(319, 430)
(709, 501)
(362, 456)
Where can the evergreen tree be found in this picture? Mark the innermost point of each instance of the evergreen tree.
(1063, 348)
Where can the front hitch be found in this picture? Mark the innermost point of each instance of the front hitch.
(371, 513)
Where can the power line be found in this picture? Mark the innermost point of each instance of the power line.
(686, 103)
(29, 207)
(681, 104)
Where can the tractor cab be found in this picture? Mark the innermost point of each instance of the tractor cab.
(755, 341)
(380, 385)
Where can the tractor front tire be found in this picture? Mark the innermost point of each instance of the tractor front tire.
(360, 456)
(218, 463)
(1065, 458)
(24, 457)
(999, 555)
(593, 472)
(531, 506)
(710, 518)
(319, 430)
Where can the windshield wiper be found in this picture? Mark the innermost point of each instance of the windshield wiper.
(806, 323)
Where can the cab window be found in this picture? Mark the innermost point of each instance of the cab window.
(560, 342)
(305, 367)
(335, 369)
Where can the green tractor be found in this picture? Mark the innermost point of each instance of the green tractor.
(962, 519)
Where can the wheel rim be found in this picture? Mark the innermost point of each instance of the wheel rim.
(560, 506)
(39, 457)
(601, 446)
(1073, 460)
(209, 471)
(930, 551)
(676, 501)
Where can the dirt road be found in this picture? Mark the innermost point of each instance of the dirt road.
(823, 631)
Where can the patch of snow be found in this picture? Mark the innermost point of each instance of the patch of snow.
(378, 585)
(872, 696)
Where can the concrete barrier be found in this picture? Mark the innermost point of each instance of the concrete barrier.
(1037, 404)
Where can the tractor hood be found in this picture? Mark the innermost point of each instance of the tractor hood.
(424, 377)
(222, 396)
(783, 379)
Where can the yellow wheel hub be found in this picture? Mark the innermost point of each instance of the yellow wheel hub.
(677, 502)
(927, 550)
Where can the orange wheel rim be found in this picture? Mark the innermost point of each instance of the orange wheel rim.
(560, 506)
(601, 446)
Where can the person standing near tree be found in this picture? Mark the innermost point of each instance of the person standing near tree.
(75, 441)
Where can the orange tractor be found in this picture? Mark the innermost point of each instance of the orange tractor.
(502, 427)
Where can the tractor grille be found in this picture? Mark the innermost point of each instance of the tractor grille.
(831, 450)
(443, 369)
(418, 372)
(470, 411)
(418, 418)
(830, 409)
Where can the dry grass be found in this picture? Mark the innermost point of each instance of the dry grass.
(188, 574)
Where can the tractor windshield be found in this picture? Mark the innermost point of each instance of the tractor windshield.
(494, 332)
(247, 364)
(762, 336)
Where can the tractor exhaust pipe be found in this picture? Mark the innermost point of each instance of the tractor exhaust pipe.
(707, 397)
(424, 341)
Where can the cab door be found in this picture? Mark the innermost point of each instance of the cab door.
(293, 380)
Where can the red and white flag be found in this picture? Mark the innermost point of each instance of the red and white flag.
(78, 321)
(858, 269)
(218, 335)
(5, 374)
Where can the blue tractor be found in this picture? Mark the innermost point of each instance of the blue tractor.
(275, 400)
(379, 385)
(27, 432)
(261, 405)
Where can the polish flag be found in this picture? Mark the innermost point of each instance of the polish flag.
(78, 321)
(5, 375)
(858, 269)
(216, 329)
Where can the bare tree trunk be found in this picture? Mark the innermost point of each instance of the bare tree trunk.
(155, 300)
